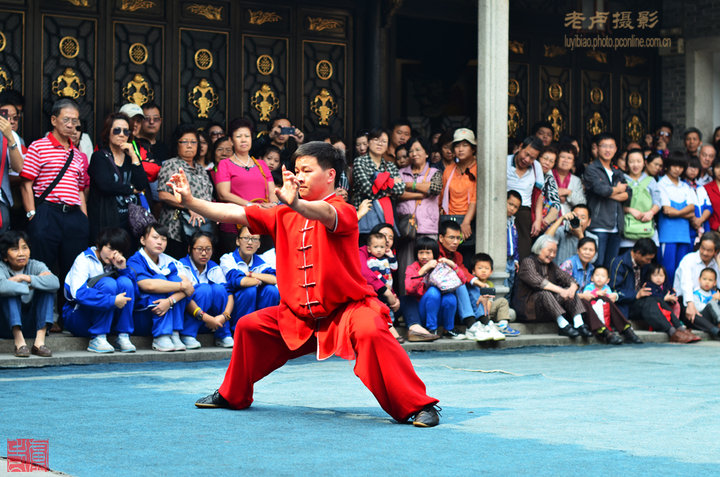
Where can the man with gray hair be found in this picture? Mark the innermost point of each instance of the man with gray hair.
(706, 154)
(53, 179)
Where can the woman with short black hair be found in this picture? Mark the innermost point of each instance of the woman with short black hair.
(27, 294)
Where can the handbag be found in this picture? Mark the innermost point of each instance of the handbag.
(374, 216)
(641, 199)
(188, 230)
(407, 224)
(139, 215)
(444, 278)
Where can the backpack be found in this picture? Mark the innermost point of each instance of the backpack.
(641, 200)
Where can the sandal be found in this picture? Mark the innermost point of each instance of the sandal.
(400, 339)
(22, 352)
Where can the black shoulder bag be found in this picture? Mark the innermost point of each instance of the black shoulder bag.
(55, 181)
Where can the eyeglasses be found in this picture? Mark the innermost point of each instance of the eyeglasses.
(188, 143)
(123, 131)
(202, 249)
(663, 133)
(379, 141)
(73, 121)
(454, 238)
(228, 150)
(217, 134)
(152, 119)
(250, 239)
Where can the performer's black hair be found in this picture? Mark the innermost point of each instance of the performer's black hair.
(327, 156)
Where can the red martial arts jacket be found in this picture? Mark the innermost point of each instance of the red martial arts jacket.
(318, 274)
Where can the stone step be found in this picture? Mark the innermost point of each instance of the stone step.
(62, 356)
(66, 342)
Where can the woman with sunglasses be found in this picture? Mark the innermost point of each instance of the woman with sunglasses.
(116, 177)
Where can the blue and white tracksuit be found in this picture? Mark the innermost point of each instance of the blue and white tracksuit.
(211, 295)
(92, 311)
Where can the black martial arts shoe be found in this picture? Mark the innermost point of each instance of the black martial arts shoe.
(611, 338)
(569, 331)
(429, 416)
(211, 401)
(630, 337)
(584, 331)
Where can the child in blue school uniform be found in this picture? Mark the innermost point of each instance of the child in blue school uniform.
(677, 201)
(100, 293)
(162, 291)
(251, 281)
(209, 308)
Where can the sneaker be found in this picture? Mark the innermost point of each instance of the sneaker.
(163, 343)
(470, 332)
(482, 333)
(505, 329)
(124, 344)
(190, 342)
(226, 342)
(177, 342)
(453, 335)
(100, 344)
(495, 332)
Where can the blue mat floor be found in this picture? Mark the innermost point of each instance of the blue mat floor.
(643, 410)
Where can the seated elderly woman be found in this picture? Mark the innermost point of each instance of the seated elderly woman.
(27, 294)
(545, 292)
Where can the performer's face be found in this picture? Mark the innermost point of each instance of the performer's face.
(315, 182)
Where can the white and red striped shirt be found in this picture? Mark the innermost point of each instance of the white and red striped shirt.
(44, 161)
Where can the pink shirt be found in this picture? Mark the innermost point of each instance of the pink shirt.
(247, 184)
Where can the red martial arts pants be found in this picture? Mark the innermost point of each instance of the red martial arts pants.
(381, 363)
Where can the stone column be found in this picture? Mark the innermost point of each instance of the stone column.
(492, 104)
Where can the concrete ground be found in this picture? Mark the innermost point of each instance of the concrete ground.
(592, 410)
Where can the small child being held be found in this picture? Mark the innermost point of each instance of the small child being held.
(492, 314)
(382, 262)
(706, 297)
(598, 288)
(598, 285)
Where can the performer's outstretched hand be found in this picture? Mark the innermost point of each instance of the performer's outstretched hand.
(288, 194)
(180, 186)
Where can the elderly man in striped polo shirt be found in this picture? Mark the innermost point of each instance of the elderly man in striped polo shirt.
(53, 179)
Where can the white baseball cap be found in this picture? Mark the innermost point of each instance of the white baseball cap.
(464, 134)
(132, 110)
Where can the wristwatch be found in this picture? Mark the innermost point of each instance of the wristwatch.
(30, 214)
(13, 146)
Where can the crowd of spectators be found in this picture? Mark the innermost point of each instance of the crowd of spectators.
(591, 241)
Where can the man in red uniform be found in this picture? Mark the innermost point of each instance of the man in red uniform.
(326, 305)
